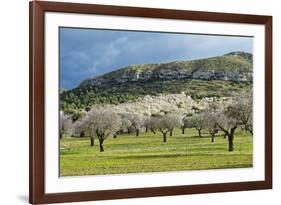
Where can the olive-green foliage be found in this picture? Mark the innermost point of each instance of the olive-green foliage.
(74, 113)
(147, 153)
(115, 93)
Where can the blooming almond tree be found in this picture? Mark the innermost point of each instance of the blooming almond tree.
(228, 125)
(237, 114)
(146, 123)
(186, 123)
(136, 122)
(125, 124)
(242, 110)
(79, 127)
(65, 124)
(101, 123)
(167, 122)
(197, 121)
(210, 116)
(153, 124)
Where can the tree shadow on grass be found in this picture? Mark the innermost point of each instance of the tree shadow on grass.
(206, 136)
(151, 156)
(202, 137)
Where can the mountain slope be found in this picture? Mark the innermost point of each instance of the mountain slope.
(235, 66)
(216, 76)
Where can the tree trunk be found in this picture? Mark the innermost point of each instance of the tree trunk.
(137, 132)
(129, 131)
(224, 136)
(230, 143)
(182, 130)
(115, 136)
(146, 129)
(82, 134)
(231, 138)
(101, 148)
(92, 141)
(165, 137)
(101, 145)
(199, 133)
(60, 135)
(171, 132)
(213, 137)
(251, 131)
(152, 130)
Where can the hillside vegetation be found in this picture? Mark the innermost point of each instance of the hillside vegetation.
(212, 77)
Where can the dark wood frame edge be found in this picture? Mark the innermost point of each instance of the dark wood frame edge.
(36, 104)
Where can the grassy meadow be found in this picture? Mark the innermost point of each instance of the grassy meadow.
(148, 153)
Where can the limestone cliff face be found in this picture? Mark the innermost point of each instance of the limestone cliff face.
(236, 66)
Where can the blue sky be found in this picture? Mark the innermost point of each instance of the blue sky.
(86, 53)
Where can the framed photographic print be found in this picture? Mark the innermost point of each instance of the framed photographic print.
(138, 102)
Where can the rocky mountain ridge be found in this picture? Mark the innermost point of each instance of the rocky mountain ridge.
(219, 76)
(235, 66)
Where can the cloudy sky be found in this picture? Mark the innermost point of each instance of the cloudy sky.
(87, 53)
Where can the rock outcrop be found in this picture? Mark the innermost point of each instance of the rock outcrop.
(235, 66)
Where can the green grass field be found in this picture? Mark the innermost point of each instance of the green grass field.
(147, 153)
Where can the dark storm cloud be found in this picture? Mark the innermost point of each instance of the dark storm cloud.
(86, 53)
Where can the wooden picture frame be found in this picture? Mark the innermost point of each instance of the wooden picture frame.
(38, 9)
